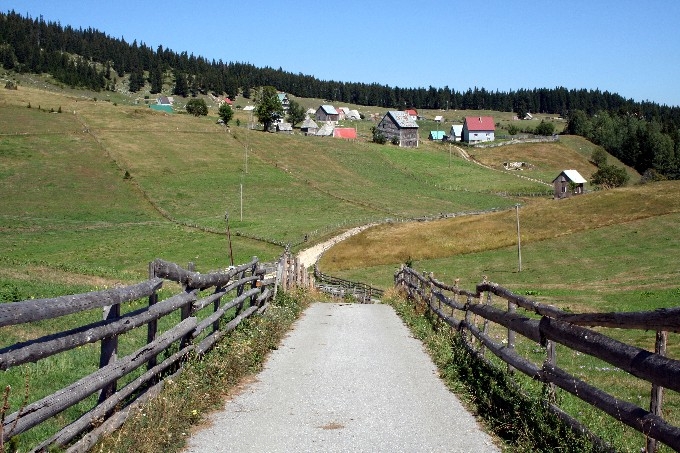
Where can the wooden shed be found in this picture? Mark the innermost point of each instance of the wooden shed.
(399, 126)
(568, 183)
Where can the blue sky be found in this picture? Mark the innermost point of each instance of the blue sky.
(627, 47)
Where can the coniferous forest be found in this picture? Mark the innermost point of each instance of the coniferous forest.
(642, 134)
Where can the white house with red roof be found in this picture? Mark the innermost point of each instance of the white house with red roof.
(413, 113)
(478, 129)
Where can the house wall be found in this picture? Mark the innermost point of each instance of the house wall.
(408, 137)
(478, 136)
(562, 190)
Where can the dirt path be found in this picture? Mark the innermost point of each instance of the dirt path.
(310, 256)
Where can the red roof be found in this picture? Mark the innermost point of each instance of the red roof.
(228, 101)
(480, 123)
(412, 112)
(345, 132)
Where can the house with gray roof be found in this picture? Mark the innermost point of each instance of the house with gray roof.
(327, 113)
(400, 127)
(568, 183)
(309, 127)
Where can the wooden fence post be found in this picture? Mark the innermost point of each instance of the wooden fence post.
(551, 359)
(253, 284)
(185, 312)
(109, 350)
(152, 327)
(512, 308)
(485, 325)
(656, 402)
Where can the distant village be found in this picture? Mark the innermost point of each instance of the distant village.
(400, 128)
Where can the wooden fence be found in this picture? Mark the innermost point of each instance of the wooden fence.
(465, 311)
(205, 308)
(339, 287)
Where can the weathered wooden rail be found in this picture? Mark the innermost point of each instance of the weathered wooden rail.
(205, 308)
(465, 311)
(339, 287)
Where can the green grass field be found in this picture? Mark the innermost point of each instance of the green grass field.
(92, 194)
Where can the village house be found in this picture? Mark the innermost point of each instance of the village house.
(478, 129)
(568, 183)
(348, 133)
(413, 113)
(436, 135)
(327, 113)
(399, 126)
(456, 133)
(284, 128)
(285, 102)
(309, 127)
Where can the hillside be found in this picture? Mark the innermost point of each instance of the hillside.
(95, 192)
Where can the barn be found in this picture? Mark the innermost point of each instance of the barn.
(568, 183)
(399, 126)
(478, 129)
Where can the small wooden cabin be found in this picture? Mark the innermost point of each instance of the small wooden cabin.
(568, 183)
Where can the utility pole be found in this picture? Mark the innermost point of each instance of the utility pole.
(519, 240)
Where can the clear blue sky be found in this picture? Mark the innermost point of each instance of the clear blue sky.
(627, 47)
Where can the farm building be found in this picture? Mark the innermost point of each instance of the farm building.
(353, 115)
(164, 100)
(309, 127)
(568, 183)
(456, 133)
(413, 113)
(436, 135)
(345, 132)
(162, 108)
(285, 102)
(399, 125)
(478, 129)
(284, 128)
(439, 118)
(326, 130)
(327, 113)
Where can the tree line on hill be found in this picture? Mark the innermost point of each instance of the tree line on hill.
(91, 59)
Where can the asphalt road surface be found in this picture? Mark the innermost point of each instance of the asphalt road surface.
(348, 378)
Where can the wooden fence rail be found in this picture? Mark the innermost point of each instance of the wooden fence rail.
(554, 326)
(340, 287)
(210, 306)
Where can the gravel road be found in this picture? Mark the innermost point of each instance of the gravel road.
(348, 378)
(310, 256)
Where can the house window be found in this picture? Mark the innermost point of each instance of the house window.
(564, 189)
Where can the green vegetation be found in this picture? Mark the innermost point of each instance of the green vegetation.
(91, 195)
(197, 107)
(489, 392)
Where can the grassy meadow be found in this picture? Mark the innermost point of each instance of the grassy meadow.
(96, 185)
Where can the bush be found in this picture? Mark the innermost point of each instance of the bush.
(599, 157)
(545, 128)
(610, 176)
(197, 107)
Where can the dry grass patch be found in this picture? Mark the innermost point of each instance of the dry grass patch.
(543, 219)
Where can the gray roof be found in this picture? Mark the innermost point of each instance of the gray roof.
(309, 123)
(284, 127)
(329, 109)
(402, 119)
(457, 130)
(573, 175)
(326, 130)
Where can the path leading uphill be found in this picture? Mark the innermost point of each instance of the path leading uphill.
(348, 378)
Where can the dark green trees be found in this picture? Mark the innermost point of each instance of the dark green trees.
(197, 107)
(269, 108)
